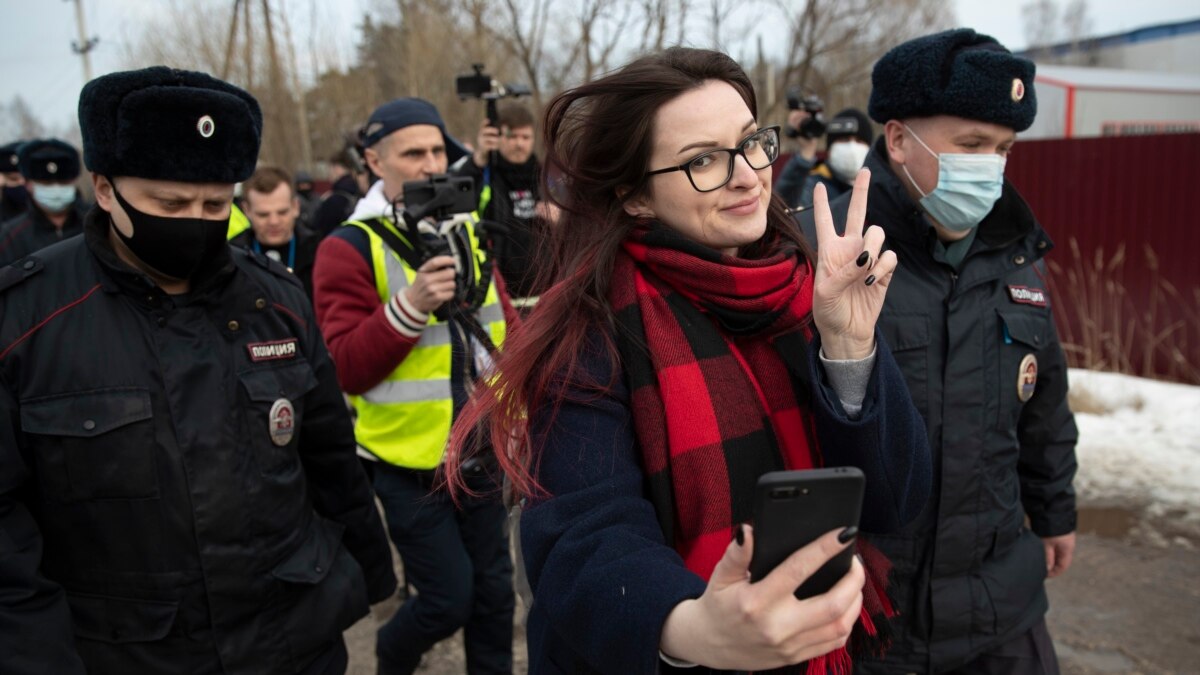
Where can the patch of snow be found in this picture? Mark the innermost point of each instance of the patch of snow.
(1141, 443)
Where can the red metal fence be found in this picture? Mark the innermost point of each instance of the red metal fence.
(1123, 214)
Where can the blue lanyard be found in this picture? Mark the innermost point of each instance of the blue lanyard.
(291, 263)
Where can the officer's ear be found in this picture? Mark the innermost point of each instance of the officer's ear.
(103, 188)
(895, 135)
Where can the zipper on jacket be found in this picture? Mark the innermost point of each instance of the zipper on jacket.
(953, 285)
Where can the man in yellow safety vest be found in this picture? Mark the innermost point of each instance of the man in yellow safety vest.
(408, 364)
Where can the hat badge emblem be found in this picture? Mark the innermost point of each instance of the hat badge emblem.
(13, 160)
(51, 168)
(1018, 89)
(206, 126)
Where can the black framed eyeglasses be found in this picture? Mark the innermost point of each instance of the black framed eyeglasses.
(713, 169)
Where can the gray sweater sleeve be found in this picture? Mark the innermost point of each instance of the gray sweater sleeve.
(849, 380)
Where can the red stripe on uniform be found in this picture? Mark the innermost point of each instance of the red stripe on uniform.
(13, 235)
(302, 322)
(47, 320)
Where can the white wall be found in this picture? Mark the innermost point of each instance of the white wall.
(1094, 108)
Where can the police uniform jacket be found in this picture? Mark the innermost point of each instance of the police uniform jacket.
(32, 230)
(969, 572)
(179, 491)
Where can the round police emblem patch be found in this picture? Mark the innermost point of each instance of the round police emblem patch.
(1018, 89)
(1027, 378)
(282, 422)
(206, 126)
(51, 168)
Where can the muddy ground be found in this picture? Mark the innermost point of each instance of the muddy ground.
(1130, 603)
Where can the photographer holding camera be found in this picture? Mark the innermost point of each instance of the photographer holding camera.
(409, 346)
(805, 124)
(506, 168)
(848, 139)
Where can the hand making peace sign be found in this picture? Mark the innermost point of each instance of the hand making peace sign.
(851, 277)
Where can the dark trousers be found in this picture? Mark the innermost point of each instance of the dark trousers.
(1029, 654)
(457, 561)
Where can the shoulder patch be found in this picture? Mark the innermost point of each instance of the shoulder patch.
(19, 271)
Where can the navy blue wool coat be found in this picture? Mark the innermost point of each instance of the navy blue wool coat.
(604, 579)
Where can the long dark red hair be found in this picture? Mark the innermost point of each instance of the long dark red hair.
(598, 137)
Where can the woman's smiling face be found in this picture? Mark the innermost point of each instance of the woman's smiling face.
(710, 117)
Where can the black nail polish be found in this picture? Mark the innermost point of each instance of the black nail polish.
(870, 280)
(739, 535)
(862, 258)
(848, 534)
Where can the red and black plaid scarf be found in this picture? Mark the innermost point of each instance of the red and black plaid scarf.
(715, 351)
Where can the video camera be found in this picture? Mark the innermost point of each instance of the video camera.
(435, 217)
(440, 197)
(814, 125)
(480, 85)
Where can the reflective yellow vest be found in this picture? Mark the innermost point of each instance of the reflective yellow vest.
(238, 222)
(405, 419)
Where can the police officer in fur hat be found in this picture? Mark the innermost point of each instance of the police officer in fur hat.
(969, 320)
(13, 197)
(179, 491)
(49, 168)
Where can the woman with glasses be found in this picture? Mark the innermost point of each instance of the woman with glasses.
(689, 343)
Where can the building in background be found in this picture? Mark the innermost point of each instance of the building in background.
(1076, 102)
(1165, 48)
(1140, 82)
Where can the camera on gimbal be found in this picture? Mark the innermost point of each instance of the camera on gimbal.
(814, 125)
(436, 218)
(480, 85)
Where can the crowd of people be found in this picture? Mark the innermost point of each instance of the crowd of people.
(605, 348)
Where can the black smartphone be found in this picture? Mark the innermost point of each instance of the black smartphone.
(794, 508)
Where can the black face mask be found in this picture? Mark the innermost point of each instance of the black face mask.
(16, 194)
(176, 247)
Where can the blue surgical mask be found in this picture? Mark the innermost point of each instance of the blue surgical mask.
(54, 198)
(967, 188)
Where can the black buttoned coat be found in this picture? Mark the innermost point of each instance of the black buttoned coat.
(179, 491)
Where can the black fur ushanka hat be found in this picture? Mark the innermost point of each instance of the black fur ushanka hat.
(166, 124)
(957, 72)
